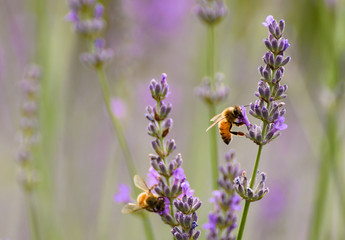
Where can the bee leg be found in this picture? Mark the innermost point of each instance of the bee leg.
(238, 133)
(238, 123)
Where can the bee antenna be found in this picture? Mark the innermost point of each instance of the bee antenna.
(246, 105)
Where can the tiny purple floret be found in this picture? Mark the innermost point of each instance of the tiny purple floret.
(123, 194)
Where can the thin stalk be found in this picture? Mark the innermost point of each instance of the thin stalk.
(328, 160)
(35, 234)
(123, 144)
(210, 53)
(212, 107)
(213, 149)
(252, 182)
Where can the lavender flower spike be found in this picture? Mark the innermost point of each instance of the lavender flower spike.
(223, 219)
(211, 11)
(167, 175)
(270, 90)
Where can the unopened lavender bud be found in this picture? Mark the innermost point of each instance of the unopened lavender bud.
(286, 60)
(274, 45)
(166, 126)
(157, 147)
(157, 90)
(279, 92)
(171, 166)
(251, 133)
(271, 29)
(196, 206)
(271, 59)
(250, 192)
(178, 236)
(258, 137)
(196, 235)
(163, 169)
(265, 113)
(164, 92)
(277, 32)
(282, 112)
(155, 165)
(258, 111)
(152, 129)
(178, 160)
(278, 61)
(187, 220)
(170, 146)
(281, 25)
(267, 93)
(279, 74)
(266, 75)
(261, 70)
(167, 192)
(261, 91)
(268, 44)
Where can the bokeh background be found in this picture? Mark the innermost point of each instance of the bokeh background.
(83, 163)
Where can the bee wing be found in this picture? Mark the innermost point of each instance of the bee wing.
(217, 121)
(130, 208)
(140, 183)
(216, 117)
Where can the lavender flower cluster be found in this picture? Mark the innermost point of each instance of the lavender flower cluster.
(223, 219)
(211, 11)
(270, 90)
(241, 185)
(213, 95)
(87, 19)
(28, 127)
(168, 176)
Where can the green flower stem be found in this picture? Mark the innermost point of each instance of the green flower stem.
(328, 161)
(252, 182)
(35, 234)
(213, 149)
(123, 144)
(210, 53)
(212, 107)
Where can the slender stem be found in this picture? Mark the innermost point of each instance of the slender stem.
(35, 234)
(213, 149)
(212, 107)
(328, 160)
(116, 123)
(123, 144)
(252, 182)
(210, 53)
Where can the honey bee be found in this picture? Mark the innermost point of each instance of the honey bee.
(145, 200)
(225, 120)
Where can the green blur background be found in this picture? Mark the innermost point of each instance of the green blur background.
(81, 162)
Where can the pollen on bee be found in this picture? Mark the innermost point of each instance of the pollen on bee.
(142, 199)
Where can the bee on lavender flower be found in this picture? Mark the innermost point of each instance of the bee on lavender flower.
(145, 200)
(225, 120)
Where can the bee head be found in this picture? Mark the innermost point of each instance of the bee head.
(237, 113)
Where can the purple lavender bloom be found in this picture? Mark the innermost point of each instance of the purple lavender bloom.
(88, 26)
(222, 220)
(211, 11)
(99, 56)
(29, 127)
(167, 175)
(244, 118)
(270, 91)
(213, 95)
(152, 177)
(269, 20)
(123, 194)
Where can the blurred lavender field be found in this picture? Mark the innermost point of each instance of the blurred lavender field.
(79, 160)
